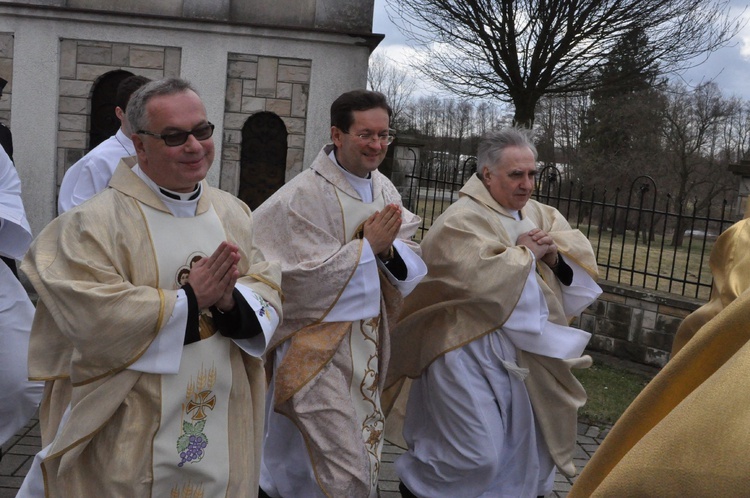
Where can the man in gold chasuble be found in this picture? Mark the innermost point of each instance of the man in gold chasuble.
(484, 342)
(347, 259)
(154, 381)
(686, 434)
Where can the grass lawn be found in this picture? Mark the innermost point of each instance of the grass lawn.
(650, 265)
(610, 389)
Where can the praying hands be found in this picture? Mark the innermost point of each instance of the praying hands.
(382, 227)
(213, 278)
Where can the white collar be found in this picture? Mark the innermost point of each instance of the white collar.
(184, 207)
(363, 186)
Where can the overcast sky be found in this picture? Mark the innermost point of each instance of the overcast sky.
(729, 67)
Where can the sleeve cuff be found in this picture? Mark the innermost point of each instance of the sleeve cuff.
(240, 322)
(191, 329)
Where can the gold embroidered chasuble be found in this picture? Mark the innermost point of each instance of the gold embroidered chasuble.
(475, 278)
(686, 434)
(100, 308)
(308, 226)
(730, 268)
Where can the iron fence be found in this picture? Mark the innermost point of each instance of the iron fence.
(432, 187)
(641, 237)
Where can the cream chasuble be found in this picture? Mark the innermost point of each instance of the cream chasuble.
(475, 239)
(359, 339)
(330, 355)
(191, 445)
(106, 273)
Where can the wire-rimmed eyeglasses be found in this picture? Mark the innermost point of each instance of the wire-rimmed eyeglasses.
(372, 137)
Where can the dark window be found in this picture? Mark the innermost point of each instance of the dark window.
(104, 123)
(263, 158)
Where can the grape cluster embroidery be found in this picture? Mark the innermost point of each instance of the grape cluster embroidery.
(191, 445)
(264, 306)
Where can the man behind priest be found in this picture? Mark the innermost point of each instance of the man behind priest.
(91, 174)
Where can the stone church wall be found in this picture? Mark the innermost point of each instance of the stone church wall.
(255, 84)
(81, 64)
(6, 72)
(335, 15)
(54, 51)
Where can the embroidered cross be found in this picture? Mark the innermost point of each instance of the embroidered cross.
(204, 402)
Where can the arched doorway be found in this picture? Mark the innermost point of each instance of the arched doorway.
(104, 123)
(263, 158)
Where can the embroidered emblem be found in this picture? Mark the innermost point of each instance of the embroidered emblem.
(183, 272)
(264, 306)
(203, 402)
(188, 491)
(191, 445)
(373, 425)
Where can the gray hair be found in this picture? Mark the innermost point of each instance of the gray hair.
(492, 146)
(136, 112)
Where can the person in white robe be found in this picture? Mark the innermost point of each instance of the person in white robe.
(344, 242)
(20, 396)
(154, 379)
(485, 339)
(91, 174)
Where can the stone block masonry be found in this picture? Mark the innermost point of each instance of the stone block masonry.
(255, 84)
(635, 324)
(82, 63)
(6, 72)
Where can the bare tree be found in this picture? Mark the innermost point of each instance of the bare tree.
(384, 76)
(427, 116)
(737, 132)
(693, 121)
(520, 50)
(486, 117)
(559, 130)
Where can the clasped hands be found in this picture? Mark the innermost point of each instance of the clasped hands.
(381, 229)
(213, 278)
(541, 244)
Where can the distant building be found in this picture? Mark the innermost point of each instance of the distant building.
(267, 70)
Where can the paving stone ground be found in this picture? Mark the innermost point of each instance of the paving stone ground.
(19, 451)
(589, 438)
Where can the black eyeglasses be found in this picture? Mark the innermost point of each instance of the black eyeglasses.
(177, 138)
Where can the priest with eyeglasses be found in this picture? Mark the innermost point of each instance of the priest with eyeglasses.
(344, 241)
(155, 306)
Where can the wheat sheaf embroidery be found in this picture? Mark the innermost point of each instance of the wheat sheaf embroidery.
(188, 490)
(199, 401)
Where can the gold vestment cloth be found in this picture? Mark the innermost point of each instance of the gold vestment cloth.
(475, 277)
(99, 310)
(302, 225)
(688, 432)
